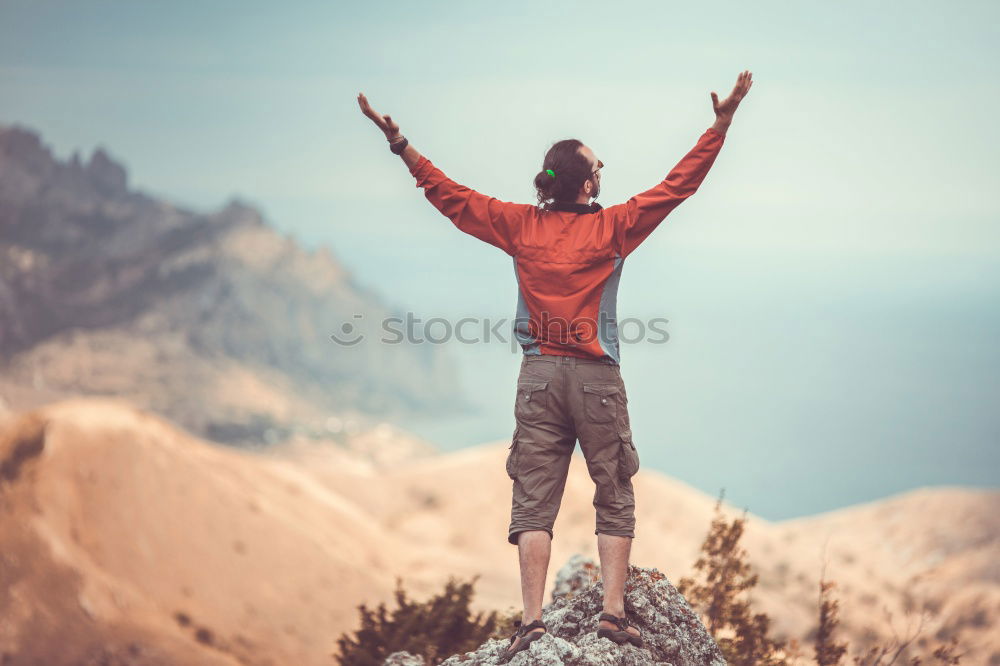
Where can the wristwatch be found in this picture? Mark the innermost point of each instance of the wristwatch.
(397, 146)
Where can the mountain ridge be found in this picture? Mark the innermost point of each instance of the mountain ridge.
(169, 307)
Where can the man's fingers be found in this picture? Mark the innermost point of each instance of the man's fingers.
(739, 84)
(366, 107)
(743, 81)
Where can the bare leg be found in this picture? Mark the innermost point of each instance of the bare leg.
(534, 548)
(614, 552)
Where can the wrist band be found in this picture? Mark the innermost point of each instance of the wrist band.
(397, 147)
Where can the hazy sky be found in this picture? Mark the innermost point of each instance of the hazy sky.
(833, 289)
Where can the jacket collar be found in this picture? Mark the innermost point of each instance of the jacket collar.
(573, 207)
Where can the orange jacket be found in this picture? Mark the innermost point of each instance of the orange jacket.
(568, 256)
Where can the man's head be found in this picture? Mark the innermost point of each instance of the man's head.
(577, 174)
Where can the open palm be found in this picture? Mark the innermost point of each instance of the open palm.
(385, 123)
(727, 107)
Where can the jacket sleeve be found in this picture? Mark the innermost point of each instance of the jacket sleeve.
(636, 219)
(488, 219)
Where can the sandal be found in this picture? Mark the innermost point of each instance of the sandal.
(621, 636)
(527, 634)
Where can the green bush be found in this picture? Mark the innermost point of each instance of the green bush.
(434, 629)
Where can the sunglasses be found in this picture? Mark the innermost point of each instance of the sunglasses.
(600, 165)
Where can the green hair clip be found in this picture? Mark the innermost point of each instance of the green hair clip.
(551, 172)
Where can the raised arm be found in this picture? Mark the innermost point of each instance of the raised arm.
(487, 218)
(636, 219)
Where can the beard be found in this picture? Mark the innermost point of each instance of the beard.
(597, 189)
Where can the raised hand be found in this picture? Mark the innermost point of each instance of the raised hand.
(385, 123)
(725, 109)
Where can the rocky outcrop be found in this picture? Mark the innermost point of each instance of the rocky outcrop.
(672, 632)
(214, 320)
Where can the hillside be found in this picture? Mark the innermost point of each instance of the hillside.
(121, 532)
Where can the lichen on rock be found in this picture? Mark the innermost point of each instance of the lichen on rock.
(672, 633)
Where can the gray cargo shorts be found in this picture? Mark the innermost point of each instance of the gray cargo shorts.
(561, 399)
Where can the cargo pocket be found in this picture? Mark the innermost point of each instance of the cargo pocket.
(600, 402)
(628, 463)
(532, 398)
(512, 456)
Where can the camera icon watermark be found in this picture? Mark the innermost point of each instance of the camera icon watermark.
(350, 333)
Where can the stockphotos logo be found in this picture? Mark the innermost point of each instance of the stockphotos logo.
(410, 329)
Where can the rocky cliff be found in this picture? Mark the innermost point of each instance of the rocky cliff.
(214, 319)
(672, 633)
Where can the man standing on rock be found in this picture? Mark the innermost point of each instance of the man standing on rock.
(568, 254)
